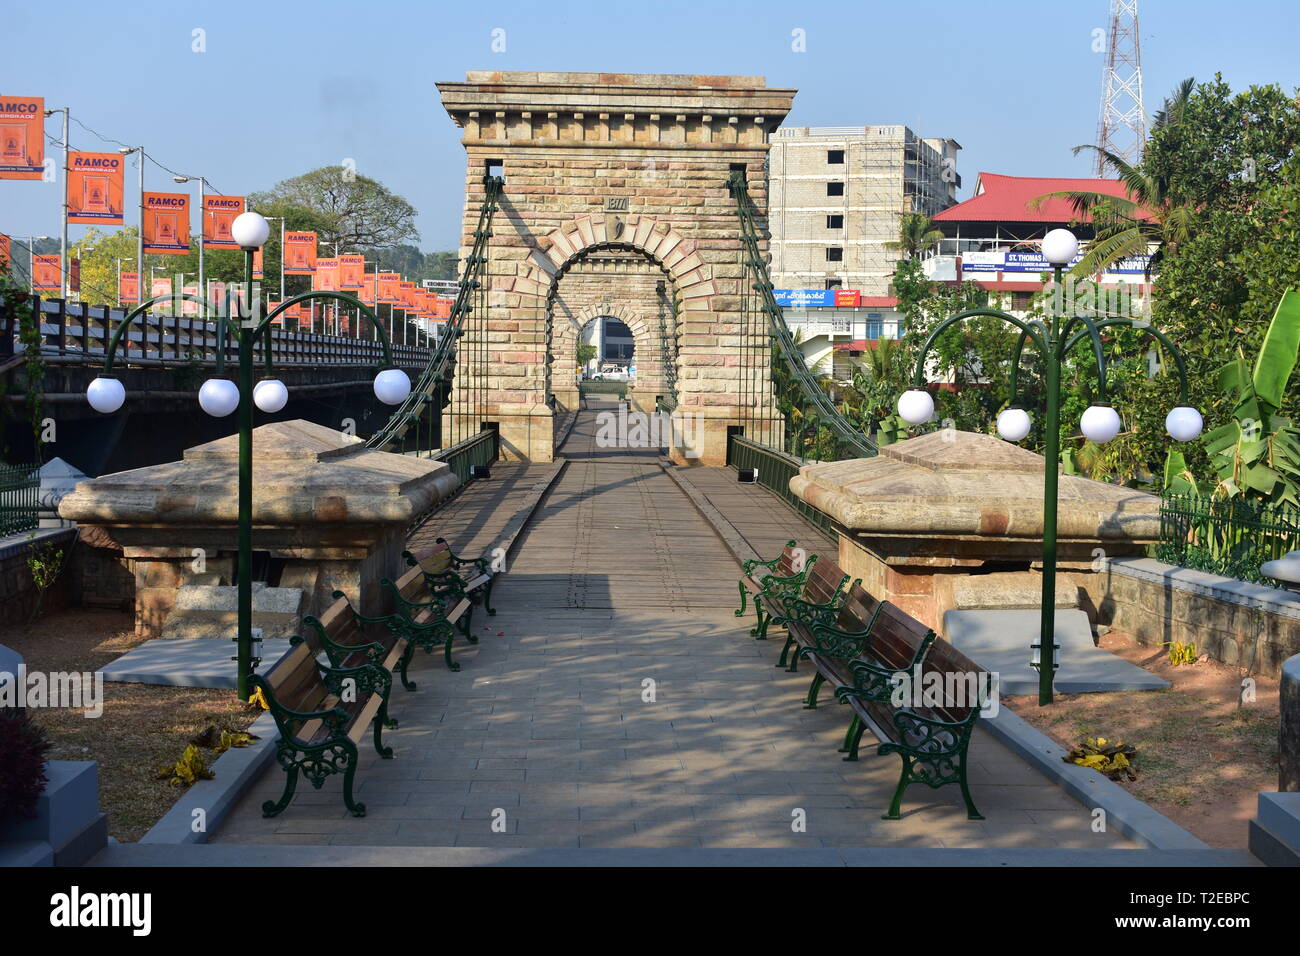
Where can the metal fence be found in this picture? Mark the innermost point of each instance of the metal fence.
(774, 470)
(1228, 536)
(20, 488)
(481, 449)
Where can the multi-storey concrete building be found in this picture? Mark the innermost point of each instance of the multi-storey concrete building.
(837, 194)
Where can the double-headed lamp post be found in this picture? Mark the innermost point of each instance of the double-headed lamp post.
(219, 396)
(1054, 340)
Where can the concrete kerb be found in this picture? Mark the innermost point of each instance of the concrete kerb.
(237, 769)
(233, 773)
(1130, 816)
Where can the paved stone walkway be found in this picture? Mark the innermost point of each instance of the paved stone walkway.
(616, 701)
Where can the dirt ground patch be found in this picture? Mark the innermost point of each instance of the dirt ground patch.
(1202, 756)
(142, 727)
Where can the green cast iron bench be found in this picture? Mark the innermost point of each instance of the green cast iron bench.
(321, 713)
(429, 613)
(443, 567)
(788, 577)
(349, 639)
(929, 725)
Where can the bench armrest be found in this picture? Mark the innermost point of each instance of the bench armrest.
(807, 613)
(831, 641)
(929, 737)
(749, 565)
(358, 616)
(334, 717)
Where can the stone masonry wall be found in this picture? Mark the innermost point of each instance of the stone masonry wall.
(595, 162)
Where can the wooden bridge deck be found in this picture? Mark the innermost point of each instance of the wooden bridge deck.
(616, 701)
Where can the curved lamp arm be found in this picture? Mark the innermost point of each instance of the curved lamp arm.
(1027, 330)
(339, 297)
(143, 307)
(1150, 330)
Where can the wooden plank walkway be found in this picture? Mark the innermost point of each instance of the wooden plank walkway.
(617, 701)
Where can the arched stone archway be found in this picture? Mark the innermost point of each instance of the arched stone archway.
(598, 164)
(638, 295)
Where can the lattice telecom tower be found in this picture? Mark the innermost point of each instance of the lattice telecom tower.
(1122, 127)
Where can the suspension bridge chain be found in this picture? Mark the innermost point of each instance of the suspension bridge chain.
(819, 412)
(423, 400)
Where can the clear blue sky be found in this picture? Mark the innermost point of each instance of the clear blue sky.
(288, 86)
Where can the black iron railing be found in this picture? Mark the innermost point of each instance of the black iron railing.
(1228, 536)
(20, 489)
(774, 471)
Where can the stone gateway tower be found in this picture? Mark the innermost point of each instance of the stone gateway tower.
(615, 204)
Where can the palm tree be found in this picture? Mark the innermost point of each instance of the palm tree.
(916, 234)
(1150, 214)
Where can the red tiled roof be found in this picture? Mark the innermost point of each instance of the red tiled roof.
(1001, 198)
(857, 345)
(879, 301)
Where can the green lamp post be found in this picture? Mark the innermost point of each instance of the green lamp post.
(219, 396)
(1054, 340)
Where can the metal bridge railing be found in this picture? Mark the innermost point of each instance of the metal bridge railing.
(774, 470)
(78, 332)
(1228, 536)
(481, 449)
(20, 489)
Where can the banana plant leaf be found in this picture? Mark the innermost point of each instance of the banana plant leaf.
(1277, 356)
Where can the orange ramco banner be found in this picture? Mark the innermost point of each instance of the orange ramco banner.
(47, 273)
(95, 192)
(406, 295)
(188, 306)
(299, 253)
(22, 137)
(4, 251)
(442, 306)
(352, 272)
(369, 293)
(257, 264)
(218, 213)
(167, 223)
(161, 287)
(128, 287)
(388, 287)
(326, 278)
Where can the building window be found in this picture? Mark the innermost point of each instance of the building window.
(1021, 301)
(835, 157)
(834, 254)
(834, 222)
(834, 283)
(835, 188)
(874, 327)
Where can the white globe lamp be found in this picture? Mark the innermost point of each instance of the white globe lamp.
(1060, 246)
(392, 385)
(1099, 423)
(1184, 423)
(218, 397)
(105, 395)
(916, 406)
(1013, 423)
(270, 395)
(250, 230)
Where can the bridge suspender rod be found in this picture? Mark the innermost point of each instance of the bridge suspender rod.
(819, 412)
(428, 389)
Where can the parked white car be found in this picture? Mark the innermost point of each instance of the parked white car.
(612, 373)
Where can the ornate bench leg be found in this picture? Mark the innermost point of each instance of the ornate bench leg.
(759, 630)
(465, 624)
(273, 808)
(851, 738)
(404, 663)
(356, 808)
(810, 702)
(382, 721)
(904, 779)
(971, 812)
(785, 651)
(487, 598)
(446, 653)
(744, 599)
